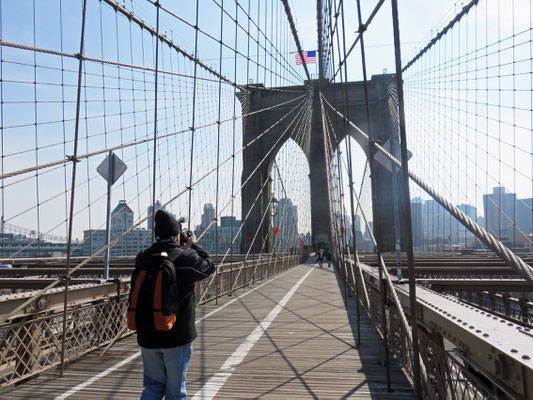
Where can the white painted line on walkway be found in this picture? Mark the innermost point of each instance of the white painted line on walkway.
(137, 354)
(211, 388)
(97, 377)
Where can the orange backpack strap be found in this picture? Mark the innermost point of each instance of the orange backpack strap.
(162, 322)
(133, 302)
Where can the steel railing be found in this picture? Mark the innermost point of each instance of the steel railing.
(451, 349)
(30, 342)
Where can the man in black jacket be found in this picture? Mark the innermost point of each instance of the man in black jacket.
(166, 354)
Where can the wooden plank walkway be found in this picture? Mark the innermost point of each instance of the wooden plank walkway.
(307, 350)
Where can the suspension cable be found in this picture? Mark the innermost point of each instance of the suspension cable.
(519, 265)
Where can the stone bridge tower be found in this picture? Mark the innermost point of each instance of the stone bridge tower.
(265, 132)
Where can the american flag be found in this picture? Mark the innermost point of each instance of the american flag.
(309, 57)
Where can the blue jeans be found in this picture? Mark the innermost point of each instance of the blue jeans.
(164, 372)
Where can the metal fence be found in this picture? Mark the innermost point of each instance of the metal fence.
(32, 344)
(449, 371)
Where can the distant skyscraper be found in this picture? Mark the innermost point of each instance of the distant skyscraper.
(227, 232)
(367, 236)
(469, 210)
(157, 207)
(286, 223)
(208, 216)
(467, 238)
(439, 226)
(358, 230)
(228, 235)
(228, 222)
(499, 209)
(122, 218)
(416, 221)
(524, 215)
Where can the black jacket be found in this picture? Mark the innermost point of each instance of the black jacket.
(193, 264)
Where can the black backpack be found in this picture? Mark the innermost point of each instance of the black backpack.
(154, 297)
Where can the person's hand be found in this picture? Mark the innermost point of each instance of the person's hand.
(191, 238)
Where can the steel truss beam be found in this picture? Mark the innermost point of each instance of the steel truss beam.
(54, 299)
(503, 351)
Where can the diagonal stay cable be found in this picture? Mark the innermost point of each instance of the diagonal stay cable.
(258, 229)
(361, 29)
(391, 286)
(253, 172)
(112, 243)
(92, 59)
(519, 265)
(439, 35)
(128, 14)
(257, 197)
(141, 141)
(295, 35)
(302, 132)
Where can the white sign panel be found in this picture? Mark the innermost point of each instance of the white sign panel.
(384, 161)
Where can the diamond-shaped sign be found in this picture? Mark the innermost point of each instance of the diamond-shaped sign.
(114, 164)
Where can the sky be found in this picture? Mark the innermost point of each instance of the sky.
(468, 106)
(417, 19)
(117, 101)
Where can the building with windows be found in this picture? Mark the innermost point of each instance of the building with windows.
(499, 208)
(416, 221)
(286, 225)
(14, 245)
(208, 216)
(122, 219)
(157, 207)
(524, 215)
(226, 234)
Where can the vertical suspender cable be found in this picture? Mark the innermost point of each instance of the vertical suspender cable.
(196, 28)
(265, 35)
(320, 23)
(341, 255)
(336, 119)
(278, 61)
(87, 169)
(257, 43)
(247, 46)
(218, 144)
(361, 29)
(135, 126)
(2, 228)
(232, 229)
(406, 202)
(35, 110)
(155, 119)
(72, 190)
(514, 225)
(295, 35)
(350, 172)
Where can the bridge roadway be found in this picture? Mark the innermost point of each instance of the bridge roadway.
(290, 337)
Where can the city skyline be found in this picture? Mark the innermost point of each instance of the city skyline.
(431, 224)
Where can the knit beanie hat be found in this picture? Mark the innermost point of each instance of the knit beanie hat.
(165, 225)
